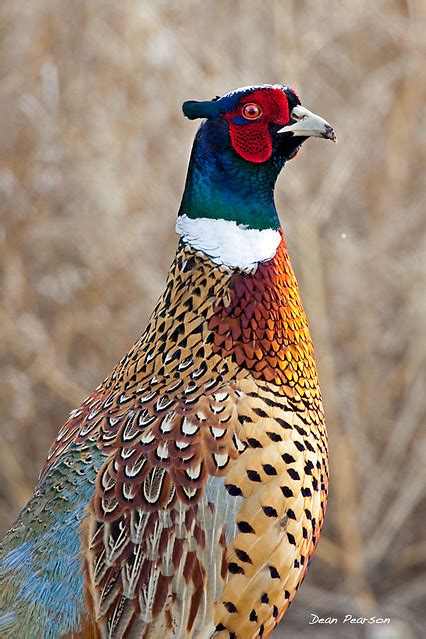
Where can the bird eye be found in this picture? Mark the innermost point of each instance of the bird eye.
(252, 111)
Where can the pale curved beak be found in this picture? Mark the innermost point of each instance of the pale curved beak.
(308, 124)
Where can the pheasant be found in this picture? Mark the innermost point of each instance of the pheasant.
(185, 496)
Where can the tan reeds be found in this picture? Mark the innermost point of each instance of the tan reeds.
(93, 152)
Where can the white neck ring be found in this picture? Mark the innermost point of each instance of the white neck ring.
(228, 243)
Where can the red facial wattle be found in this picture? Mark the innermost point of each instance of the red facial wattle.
(251, 138)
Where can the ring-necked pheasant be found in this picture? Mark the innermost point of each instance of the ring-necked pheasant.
(185, 497)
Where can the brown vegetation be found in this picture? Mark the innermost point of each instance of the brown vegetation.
(93, 151)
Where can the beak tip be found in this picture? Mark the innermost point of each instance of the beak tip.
(329, 133)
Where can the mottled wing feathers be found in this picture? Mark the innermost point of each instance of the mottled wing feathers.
(147, 557)
(165, 448)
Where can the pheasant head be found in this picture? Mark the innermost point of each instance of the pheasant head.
(240, 148)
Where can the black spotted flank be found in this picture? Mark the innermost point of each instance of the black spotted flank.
(286, 491)
(264, 598)
(283, 423)
(299, 446)
(254, 443)
(290, 514)
(289, 459)
(274, 436)
(269, 470)
(244, 527)
(293, 473)
(243, 556)
(259, 412)
(308, 467)
(253, 475)
(275, 612)
(274, 572)
(253, 615)
(233, 490)
(270, 511)
(300, 430)
(291, 539)
(286, 594)
(230, 606)
(306, 492)
(235, 569)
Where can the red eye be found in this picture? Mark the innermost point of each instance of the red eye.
(252, 111)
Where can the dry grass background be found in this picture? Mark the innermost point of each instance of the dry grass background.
(93, 154)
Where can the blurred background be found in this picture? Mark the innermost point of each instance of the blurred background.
(93, 155)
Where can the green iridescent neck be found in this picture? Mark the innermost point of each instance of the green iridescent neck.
(221, 185)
